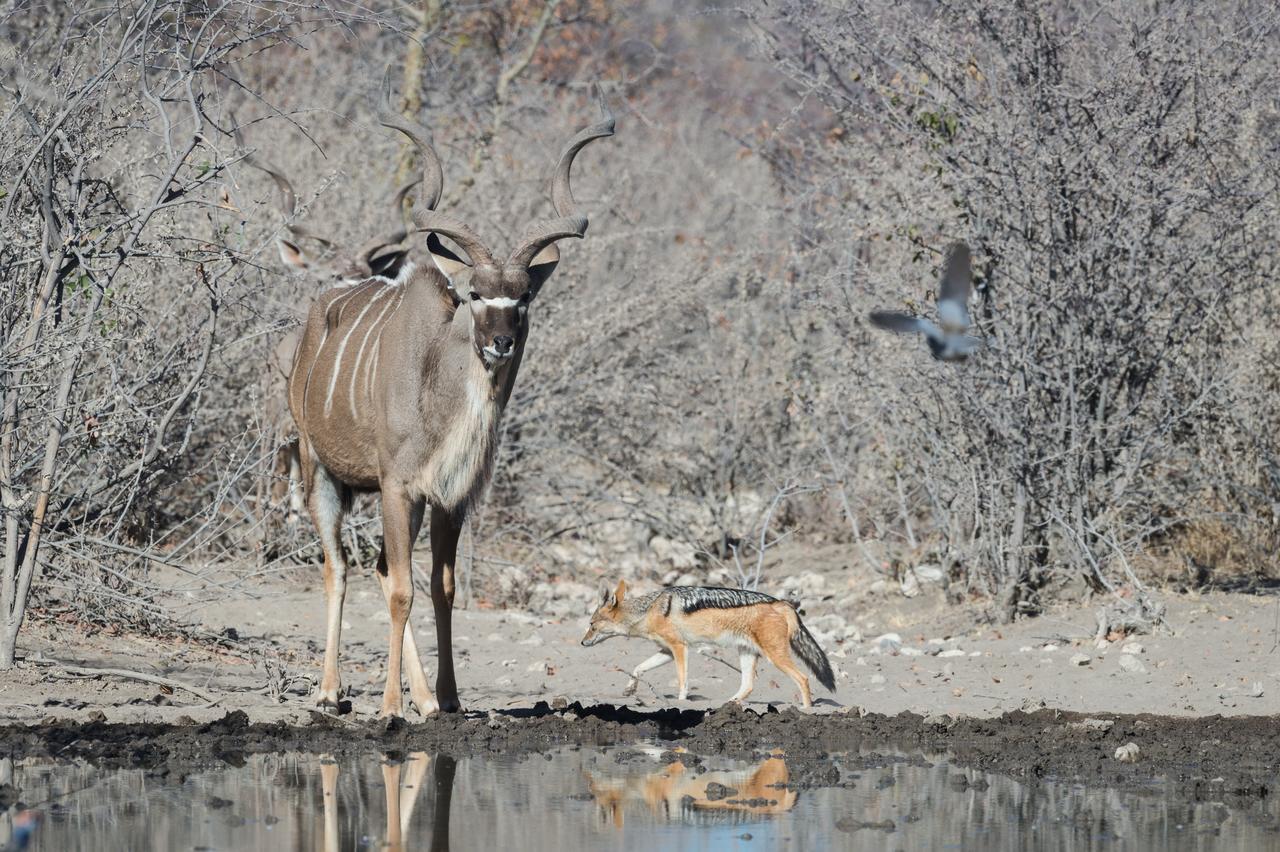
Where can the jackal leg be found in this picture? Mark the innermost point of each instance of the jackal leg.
(681, 654)
(419, 688)
(747, 662)
(659, 659)
(779, 653)
(444, 553)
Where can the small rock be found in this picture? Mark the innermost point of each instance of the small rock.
(1127, 753)
(1080, 659)
(877, 679)
(1130, 663)
(1103, 725)
(540, 667)
(1132, 648)
(910, 652)
(559, 702)
(951, 652)
(887, 643)
(1025, 649)
(928, 574)
(716, 792)
(1255, 691)
(937, 720)
(1050, 648)
(910, 585)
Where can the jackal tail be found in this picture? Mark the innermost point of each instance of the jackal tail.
(807, 649)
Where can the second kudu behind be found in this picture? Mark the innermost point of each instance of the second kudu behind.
(398, 387)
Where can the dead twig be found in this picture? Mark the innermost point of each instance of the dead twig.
(128, 674)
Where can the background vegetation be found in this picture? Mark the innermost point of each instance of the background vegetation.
(701, 382)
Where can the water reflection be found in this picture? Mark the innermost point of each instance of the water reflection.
(402, 781)
(615, 799)
(678, 793)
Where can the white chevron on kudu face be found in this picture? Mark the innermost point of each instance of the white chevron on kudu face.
(427, 362)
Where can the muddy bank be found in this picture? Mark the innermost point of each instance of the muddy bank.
(1213, 757)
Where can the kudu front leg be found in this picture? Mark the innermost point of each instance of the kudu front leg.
(400, 524)
(419, 688)
(444, 552)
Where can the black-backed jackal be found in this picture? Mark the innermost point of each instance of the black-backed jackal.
(751, 623)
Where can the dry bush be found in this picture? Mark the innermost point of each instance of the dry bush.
(1113, 166)
(703, 350)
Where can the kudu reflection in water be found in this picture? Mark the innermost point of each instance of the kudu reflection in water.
(402, 781)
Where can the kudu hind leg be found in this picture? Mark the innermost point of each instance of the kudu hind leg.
(444, 552)
(419, 688)
(327, 499)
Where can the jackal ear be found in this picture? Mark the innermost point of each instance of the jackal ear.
(605, 595)
(620, 591)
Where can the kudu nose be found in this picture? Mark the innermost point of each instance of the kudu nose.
(503, 344)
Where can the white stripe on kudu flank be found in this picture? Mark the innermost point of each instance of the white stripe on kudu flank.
(342, 347)
(331, 311)
(377, 345)
(355, 368)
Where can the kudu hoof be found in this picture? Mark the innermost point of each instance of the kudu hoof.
(340, 707)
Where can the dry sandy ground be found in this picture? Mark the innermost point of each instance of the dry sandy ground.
(1220, 658)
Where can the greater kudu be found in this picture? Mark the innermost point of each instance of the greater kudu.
(398, 387)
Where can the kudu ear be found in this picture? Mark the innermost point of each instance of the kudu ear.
(449, 264)
(388, 264)
(541, 267)
(446, 261)
(291, 255)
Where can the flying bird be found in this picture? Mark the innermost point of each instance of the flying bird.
(948, 339)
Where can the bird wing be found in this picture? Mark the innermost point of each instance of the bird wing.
(957, 275)
(904, 324)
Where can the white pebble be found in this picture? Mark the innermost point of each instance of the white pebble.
(1127, 753)
(1131, 663)
(952, 652)
(1080, 660)
(1132, 648)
